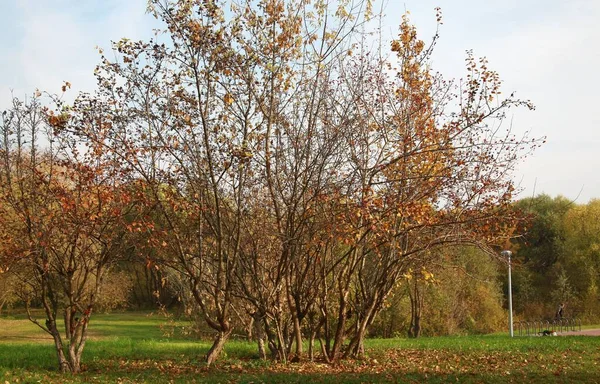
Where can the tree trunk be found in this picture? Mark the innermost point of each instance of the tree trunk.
(357, 345)
(311, 347)
(271, 340)
(298, 339)
(63, 363)
(415, 329)
(262, 352)
(324, 351)
(50, 310)
(416, 305)
(340, 333)
(217, 347)
(77, 342)
(69, 322)
(281, 345)
(2, 302)
(75, 359)
(314, 333)
(259, 334)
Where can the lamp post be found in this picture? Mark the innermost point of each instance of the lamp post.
(507, 254)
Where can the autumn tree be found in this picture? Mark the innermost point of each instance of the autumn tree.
(419, 176)
(300, 129)
(182, 123)
(203, 113)
(63, 216)
(294, 173)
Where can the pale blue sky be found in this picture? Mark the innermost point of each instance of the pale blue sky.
(547, 51)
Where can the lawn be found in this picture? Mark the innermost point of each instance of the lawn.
(131, 348)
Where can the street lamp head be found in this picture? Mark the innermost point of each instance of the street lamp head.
(506, 253)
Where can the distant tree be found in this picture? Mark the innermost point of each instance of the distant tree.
(542, 236)
(458, 293)
(539, 249)
(580, 259)
(8, 289)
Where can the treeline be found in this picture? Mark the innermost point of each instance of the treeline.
(558, 259)
(269, 167)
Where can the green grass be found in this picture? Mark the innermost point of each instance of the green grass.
(131, 348)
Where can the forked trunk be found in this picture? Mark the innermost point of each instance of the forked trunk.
(281, 344)
(357, 344)
(415, 326)
(416, 302)
(76, 345)
(75, 359)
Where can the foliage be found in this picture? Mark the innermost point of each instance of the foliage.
(115, 291)
(543, 237)
(557, 259)
(461, 295)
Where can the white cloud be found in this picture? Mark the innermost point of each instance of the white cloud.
(57, 40)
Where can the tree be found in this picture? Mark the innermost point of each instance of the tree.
(292, 171)
(420, 178)
(539, 248)
(542, 237)
(579, 262)
(63, 221)
(8, 287)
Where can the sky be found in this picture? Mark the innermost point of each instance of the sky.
(547, 51)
